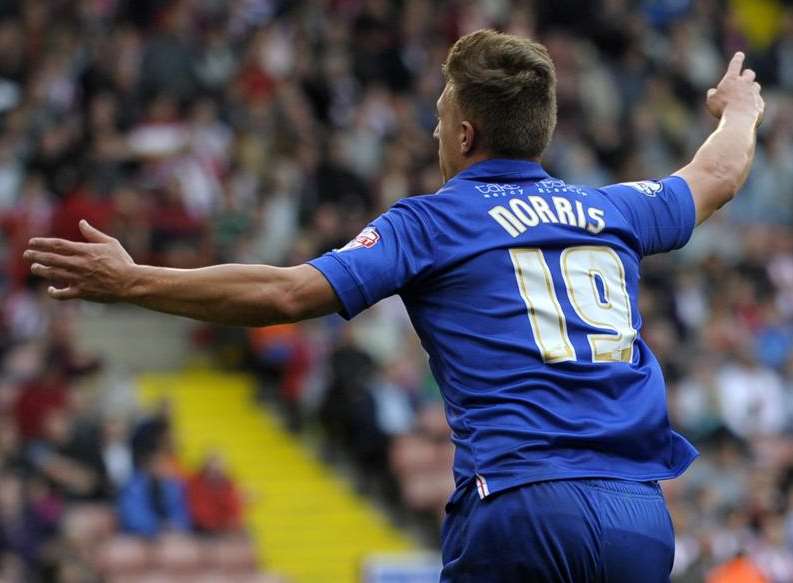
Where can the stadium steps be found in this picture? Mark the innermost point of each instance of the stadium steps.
(309, 525)
(108, 330)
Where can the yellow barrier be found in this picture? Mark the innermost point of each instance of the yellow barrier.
(309, 525)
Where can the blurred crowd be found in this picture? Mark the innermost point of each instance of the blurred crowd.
(204, 131)
(92, 489)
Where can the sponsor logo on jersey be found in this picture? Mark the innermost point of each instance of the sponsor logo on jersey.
(553, 185)
(367, 238)
(646, 187)
(495, 190)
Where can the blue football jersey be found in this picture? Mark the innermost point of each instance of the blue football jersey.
(524, 292)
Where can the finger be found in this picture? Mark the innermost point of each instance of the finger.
(711, 92)
(61, 246)
(51, 272)
(93, 234)
(757, 86)
(66, 293)
(748, 75)
(734, 68)
(50, 259)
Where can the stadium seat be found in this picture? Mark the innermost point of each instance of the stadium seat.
(241, 577)
(212, 577)
(151, 576)
(89, 523)
(263, 578)
(123, 556)
(230, 554)
(179, 554)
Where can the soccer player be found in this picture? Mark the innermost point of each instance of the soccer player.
(524, 292)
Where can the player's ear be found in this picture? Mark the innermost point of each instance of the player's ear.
(467, 137)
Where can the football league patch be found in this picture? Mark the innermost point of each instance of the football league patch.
(646, 187)
(367, 238)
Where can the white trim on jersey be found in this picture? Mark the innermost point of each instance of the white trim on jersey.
(481, 486)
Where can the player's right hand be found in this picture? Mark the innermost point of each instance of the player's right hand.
(100, 270)
(737, 91)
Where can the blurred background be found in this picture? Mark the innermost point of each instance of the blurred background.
(135, 447)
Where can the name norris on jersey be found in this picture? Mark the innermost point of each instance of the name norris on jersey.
(522, 214)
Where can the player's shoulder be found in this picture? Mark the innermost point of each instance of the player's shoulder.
(417, 204)
(426, 205)
(650, 188)
(412, 213)
(649, 196)
(415, 201)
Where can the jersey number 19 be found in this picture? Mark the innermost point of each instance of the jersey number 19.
(594, 278)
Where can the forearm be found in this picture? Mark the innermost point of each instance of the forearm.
(729, 150)
(721, 165)
(246, 295)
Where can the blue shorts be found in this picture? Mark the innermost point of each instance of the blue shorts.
(571, 531)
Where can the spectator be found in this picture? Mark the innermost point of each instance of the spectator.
(116, 452)
(215, 502)
(153, 500)
(152, 433)
(37, 399)
(23, 531)
(752, 397)
(741, 569)
(56, 457)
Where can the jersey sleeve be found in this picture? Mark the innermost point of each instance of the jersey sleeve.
(661, 212)
(387, 256)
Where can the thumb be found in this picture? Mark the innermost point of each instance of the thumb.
(711, 92)
(92, 234)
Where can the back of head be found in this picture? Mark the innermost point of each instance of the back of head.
(505, 86)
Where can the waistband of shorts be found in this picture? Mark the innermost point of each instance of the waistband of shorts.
(652, 488)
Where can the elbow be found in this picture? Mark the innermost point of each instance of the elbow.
(274, 300)
(290, 308)
(278, 306)
(295, 294)
(291, 302)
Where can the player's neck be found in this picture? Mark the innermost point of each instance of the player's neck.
(483, 156)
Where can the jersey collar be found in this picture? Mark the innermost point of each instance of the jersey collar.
(496, 168)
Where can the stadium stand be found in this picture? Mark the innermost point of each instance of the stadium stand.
(307, 522)
(271, 130)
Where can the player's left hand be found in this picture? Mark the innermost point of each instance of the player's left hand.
(100, 270)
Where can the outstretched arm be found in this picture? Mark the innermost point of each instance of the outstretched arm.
(722, 163)
(246, 295)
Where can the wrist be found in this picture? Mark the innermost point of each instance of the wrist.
(739, 114)
(138, 283)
